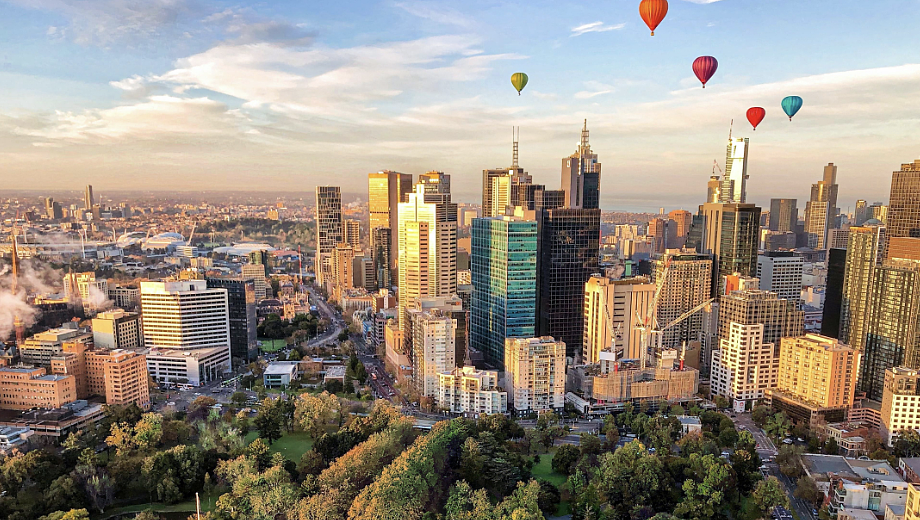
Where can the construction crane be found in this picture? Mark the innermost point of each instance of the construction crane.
(190, 235)
(715, 166)
(18, 325)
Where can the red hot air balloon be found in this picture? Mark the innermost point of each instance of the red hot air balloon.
(755, 115)
(653, 12)
(704, 67)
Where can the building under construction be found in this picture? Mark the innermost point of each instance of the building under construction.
(631, 383)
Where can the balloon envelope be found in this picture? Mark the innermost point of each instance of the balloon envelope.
(653, 12)
(704, 67)
(755, 115)
(519, 80)
(791, 105)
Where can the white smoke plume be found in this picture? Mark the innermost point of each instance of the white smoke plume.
(34, 278)
(11, 306)
(97, 300)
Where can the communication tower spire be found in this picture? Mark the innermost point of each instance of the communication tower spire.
(515, 134)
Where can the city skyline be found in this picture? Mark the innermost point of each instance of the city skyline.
(185, 96)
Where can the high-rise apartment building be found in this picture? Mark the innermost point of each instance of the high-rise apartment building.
(658, 234)
(817, 378)
(734, 182)
(118, 330)
(535, 373)
(427, 248)
(504, 278)
(241, 306)
(382, 245)
(731, 233)
(433, 335)
(821, 209)
(682, 220)
(568, 248)
(256, 274)
(613, 309)
(745, 366)
(863, 257)
(714, 190)
(783, 215)
(780, 318)
(904, 204)
(892, 328)
(466, 390)
(687, 285)
(781, 272)
(185, 315)
(900, 404)
(329, 228)
(581, 176)
(353, 233)
(342, 270)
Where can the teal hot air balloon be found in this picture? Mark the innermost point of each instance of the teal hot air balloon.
(791, 105)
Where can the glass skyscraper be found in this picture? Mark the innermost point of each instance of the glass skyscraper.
(504, 275)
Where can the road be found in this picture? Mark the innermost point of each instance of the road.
(802, 508)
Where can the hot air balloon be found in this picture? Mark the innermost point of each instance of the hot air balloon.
(519, 80)
(653, 12)
(704, 67)
(755, 115)
(791, 105)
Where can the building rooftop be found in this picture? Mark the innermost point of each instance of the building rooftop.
(868, 470)
(179, 353)
(280, 367)
(912, 462)
(335, 371)
(858, 514)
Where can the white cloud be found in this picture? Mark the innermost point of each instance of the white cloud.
(595, 27)
(437, 14)
(702, 1)
(594, 89)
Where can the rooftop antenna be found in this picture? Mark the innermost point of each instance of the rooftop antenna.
(730, 125)
(515, 133)
(584, 135)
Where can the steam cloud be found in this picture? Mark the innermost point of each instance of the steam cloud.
(34, 278)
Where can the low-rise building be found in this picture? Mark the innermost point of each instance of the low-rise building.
(895, 511)
(850, 437)
(335, 373)
(855, 484)
(471, 392)
(192, 367)
(25, 388)
(909, 468)
(59, 422)
(690, 424)
(280, 374)
(13, 437)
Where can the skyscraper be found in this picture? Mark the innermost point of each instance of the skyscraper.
(427, 248)
(687, 285)
(88, 201)
(731, 233)
(781, 318)
(569, 244)
(353, 233)
(833, 293)
(241, 306)
(613, 309)
(329, 231)
(504, 276)
(385, 190)
(781, 272)
(53, 209)
(683, 219)
(185, 315)
(892, 328)
(783, 215)
(863, 257)
(821, 209)
(860, 213)
(904, 204)
(734, 182)
(433, 335)
(382, 245)
(581, 176)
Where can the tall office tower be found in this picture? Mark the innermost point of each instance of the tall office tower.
(427, 249)
(833, 293)
(342, 270)
(860, 213)
(714, 189)
(256, 274)
(817, 378)
(263, 259)
(780, 318)
(821, 209)
(185, 315)
(837, 238)
(88, 201)
(363, 273)
(568, 248)
(353, 233)
(688, 284)
(781, 272)
(504, 279)
(329, 232)
(863, 257)
(548, 199)
(492, 179)
(613, 309)
(658, 233)
(385, 190)
(892, 329)
(53, 209)
(535, 373)
(745, 366)
(783, 215)
(734, 182)
(117, 330)
(433, 335)
(878, 211)
(683, 219)
(731, 233)
(581, 176)
(904, 203)
(381, 246)
(435, 182)
(241, 305)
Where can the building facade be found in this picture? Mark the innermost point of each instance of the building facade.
(781, 272)
(471, 392)
(117, 329)
(433, 339)
(28, 388)
(903, 217)
(535, 371)
(687, 285)
(864, 255)
(613, 309)
(241, 307)
(821, 209)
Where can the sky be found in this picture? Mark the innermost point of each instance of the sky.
(256, 96)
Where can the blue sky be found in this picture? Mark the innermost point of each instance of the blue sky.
(197, 94)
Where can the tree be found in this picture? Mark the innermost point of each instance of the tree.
(705, 492)
(721, 402)
(806, 489)
(239, 398)
(629, 477)
(269, 421)
(334, 386)
(907, 444)
(768, 495)
(830, 447)
(778, 425)
(746, 462)
(565, 459)
(73, 514)
(549, 497)
(789, 460)
(761, 414)
(315, 413)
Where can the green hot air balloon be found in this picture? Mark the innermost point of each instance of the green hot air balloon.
(519, 80)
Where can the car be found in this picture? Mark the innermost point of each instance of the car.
(800, 439)
(787, 440)
(814, 512)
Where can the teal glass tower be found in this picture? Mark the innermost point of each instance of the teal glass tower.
(503, 262)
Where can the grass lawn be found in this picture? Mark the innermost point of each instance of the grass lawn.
(207, 503)
(272, 345)
(749, 510)
(544, 470)
(292, 445)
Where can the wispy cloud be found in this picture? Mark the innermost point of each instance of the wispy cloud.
(594, 89)
(595, 27)
(438, 14)
(702, 1)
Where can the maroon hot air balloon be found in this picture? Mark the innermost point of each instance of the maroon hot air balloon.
(755, 115)
(704, 67)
